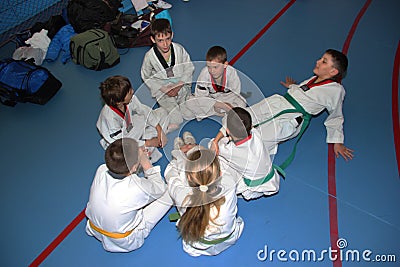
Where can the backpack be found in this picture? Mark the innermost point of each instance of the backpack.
(94, 49)
(23, 81)
(84, 15)
(126, 35)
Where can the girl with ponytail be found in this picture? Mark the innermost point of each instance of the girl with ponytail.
(205, 195)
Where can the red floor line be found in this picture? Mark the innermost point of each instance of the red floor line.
(395, 105)
(46, 252)
(354, 27)
(333, 211)
(261, 33)
(58, 239)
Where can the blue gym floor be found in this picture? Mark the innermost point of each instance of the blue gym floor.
(50, 153)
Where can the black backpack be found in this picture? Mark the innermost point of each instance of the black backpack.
(84, 15)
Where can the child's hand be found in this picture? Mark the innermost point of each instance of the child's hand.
(144, 160)
(343, 151)
(175, 88)
(289, 81)
(173, 92)
(153, 142)
(214, 147)
(218, 106)
(162, 139)
(168, 89)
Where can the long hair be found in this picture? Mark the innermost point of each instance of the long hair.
(202, 172)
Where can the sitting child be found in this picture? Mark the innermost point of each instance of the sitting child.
(242, 148)
(303, 100)
(205, 196)
(123, 208)
(123, 115)
(217, 89)
(167, 70)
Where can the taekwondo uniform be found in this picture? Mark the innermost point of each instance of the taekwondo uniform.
(139, 123)
(122, 211)
(207, 92)
(227, 228)
(314, 98)
(156, 72)
(251, 159)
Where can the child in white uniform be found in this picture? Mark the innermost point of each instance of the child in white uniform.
(218, 83)
(167, 70)
(320, 92)
(242, 148)
(123, 208)
(205, 196)
(123, 115)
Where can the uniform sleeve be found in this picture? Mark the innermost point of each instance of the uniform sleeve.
(203, 81)
(152, 75)
(145, 110)
(109, 126)
(233, 80)
(186, 68)
(224, 147)
(334, 122)
(152, 185)
(178, 187)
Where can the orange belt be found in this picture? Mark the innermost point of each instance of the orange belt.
(110, 234)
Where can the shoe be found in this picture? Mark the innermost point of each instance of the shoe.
(162, 4)
(188, 138)
(178, 142)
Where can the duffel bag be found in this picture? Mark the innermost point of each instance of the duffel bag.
(23, 81)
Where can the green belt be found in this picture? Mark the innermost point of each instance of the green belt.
(215, 241)
(173, 217)
(306, 121)
(260, 181)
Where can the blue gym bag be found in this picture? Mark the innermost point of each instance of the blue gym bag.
(23, 81)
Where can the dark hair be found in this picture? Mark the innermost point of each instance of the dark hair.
(217, 53)
(340, 62)
(160, 26)
(114, 89)
(239, 122)
(121, 155)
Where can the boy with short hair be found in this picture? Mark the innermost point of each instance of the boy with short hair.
(310, 97)
(167, 70)
(217, 89)
(242, 148)
(123, 115)
(123, 208)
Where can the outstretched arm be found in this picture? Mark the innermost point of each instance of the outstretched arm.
(288, 81)
(214, 143)
(343, 151)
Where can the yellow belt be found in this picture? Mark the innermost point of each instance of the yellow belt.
(110, 234)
